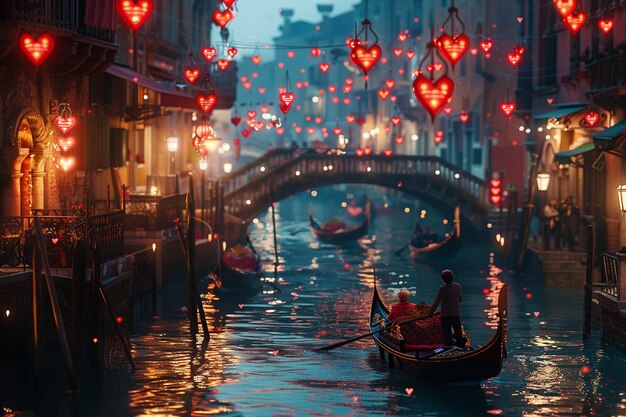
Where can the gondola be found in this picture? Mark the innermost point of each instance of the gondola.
(241, 273)
(440, 364)
(445, 247)
(340, 234)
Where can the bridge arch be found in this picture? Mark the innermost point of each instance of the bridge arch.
(276, 176)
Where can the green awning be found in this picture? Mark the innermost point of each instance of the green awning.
(560, 112)
(605, 138)
(564, 156)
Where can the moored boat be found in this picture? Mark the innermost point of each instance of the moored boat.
(241, 268)
(432, 361)
(336, 231)
(447, 246)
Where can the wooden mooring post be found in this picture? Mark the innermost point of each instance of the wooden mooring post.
(591, 250)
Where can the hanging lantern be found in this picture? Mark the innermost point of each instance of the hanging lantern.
(232, 51)
(65, 121)
(222, 64)
(191, 71)
(432, 94)
(324, 67)
(453, 46)
(507, 107)
(486, 45)
(606, 24)
(287, 97)
(362, 53)
(37, 50)
(209, 53)
(229, 3)
(514, 58)
(621, 195)
(222, 17)
(464, 117)
(543, 181)
(591, 118)
(575, 21)
(565, 7)
(134, 13)
(206, 102)
(256, 59)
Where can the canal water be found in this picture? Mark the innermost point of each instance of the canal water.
(260, 360)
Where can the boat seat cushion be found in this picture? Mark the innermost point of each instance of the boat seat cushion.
(421, 333)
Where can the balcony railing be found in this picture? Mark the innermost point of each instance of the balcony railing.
(61, 14)
(610, 274)
(149, 212)
(608, 72)
(103, 231)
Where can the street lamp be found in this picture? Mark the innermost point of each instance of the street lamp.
(621, 194)
(228, 167)
(543, 181)
(172, 148)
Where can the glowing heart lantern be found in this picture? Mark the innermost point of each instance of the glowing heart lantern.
(286, 100)
(206, 103)
(222, 17)
(486, 45)
(575, 21)
(514, 58)
(37, 50)
(453, 48)
(366, 58)
(591, 118)
(433, 95)
(209, 53)
(565, 7)
(134, 13)
(191, 74)
(606, 25)
(507, 108)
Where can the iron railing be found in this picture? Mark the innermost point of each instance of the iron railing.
(610, 274)
(103, 231)
(608, 72)
(148, 212)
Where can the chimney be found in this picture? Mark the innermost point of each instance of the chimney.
(287, 14)
(325, 10)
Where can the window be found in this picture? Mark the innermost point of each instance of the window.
(477, 156)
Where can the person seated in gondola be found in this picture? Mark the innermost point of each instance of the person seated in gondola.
(333, 226)
(402, 307)
(429, 236)
(416, 240)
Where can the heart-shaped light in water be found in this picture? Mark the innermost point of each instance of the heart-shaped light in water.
(366, 59)
(606, 25)
(191, 74)
(66, 143)
(37, 50)
(453, 48)
(591, 117)
(433, 96)
(575, 21)
(206, 103)
(222, 18)
(65, 124)
(256, 59)
(565, 7)
(514, 58)
(486, 45)
(383, 94)
(232, 51)
(134, 13)
(507, 108)
(209, 53)
(324, 66)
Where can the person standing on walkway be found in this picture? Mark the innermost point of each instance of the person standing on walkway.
(551, 225)
(570, 221)
(450, 296)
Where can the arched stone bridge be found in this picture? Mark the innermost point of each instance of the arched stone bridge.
(279, 174)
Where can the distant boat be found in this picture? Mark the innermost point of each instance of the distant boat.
(434, 362)
(335, 231)
(444, 247)
(241, 268)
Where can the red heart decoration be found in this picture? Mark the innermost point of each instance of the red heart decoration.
(390, 84)
(235, 120)
(347, 100)
(191, 74)
(285, 109)
(206, 103)
(565, 7)
(367, 150)
(507, 108)
(486, 45)
(403, 37)
(399, 140)
(291, 54)
(398, 51)
(453, 48)
(514, 58)
(262, 90)
(591, 118)
(433, 96)
(55, 240)
(335, 100)
(318, 120)
(37, 50)
(265, 108)
(346, 88)
(256, 59)
(245, 133)
(350, 118)
(575, 21)
(65, 124)
(550, 100)
(387, 152)
(229, 3)
(232, 51)
(65, 143)
(383, 94)
(134, 13)
(297, 129)
(337, 131)
(353, 43)
(395, 120)
(410, 54)
(606, 25)
(247, 85)
(366, 59)
(359, 152)
(360, 121)
(447, 110)
(310, 130)
(280, 130)
(316, 52)
(251, 114)
(222, 64)
(464, 117)
(222, 18)
(495, 199)
(433, 67)
(409, 391)
(258, 125)
(495, 183)
(324, 66)
(209, 53)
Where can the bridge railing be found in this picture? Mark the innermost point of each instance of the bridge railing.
(253, 186)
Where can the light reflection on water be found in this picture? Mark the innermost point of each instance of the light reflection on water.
(259, 361)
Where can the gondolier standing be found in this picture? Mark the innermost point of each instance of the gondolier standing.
(450, 295)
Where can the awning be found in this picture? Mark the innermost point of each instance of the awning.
(560, 112)
(169, 97)
(606, 138)
(564, 157)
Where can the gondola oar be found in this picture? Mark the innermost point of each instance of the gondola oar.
(399, 251)
(354, 339)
